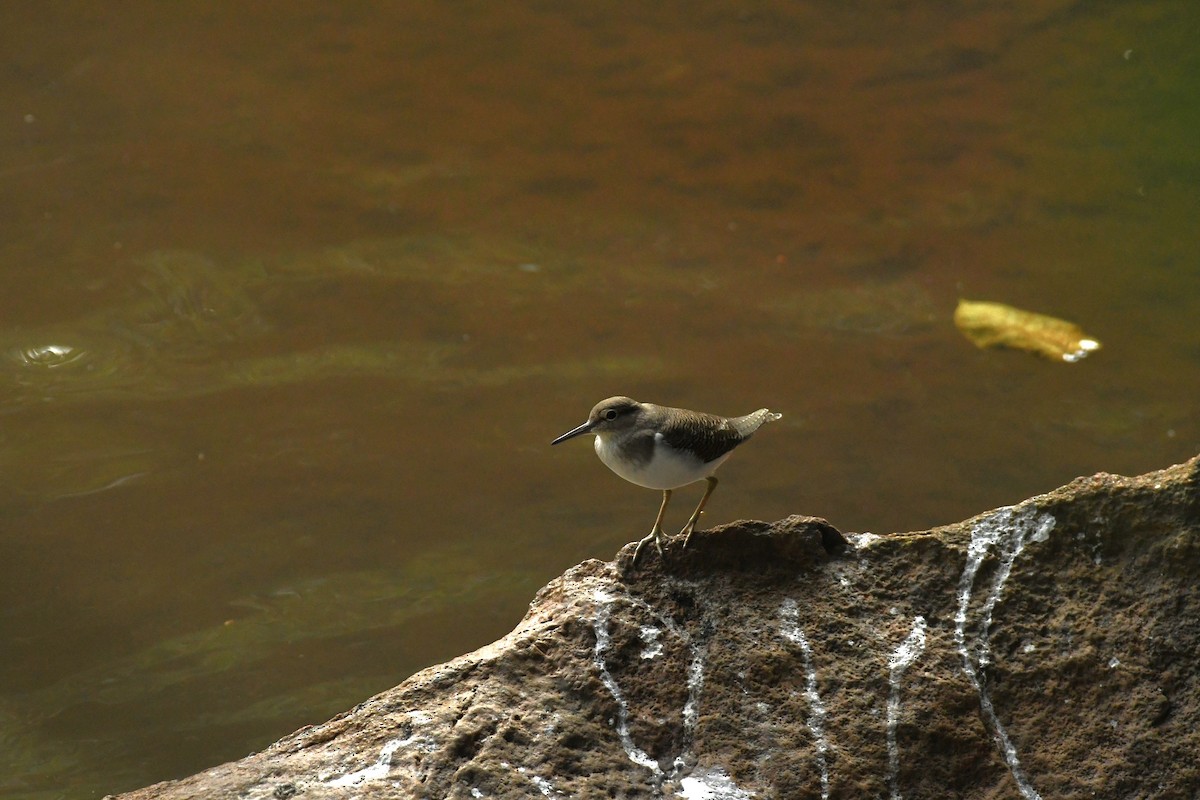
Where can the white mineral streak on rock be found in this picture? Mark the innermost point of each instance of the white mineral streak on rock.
(695, 679)
(790, 629)
(862, 540)
(383, 764)
(1043, 530)
(1010, 529)
(604, 605)
(377, 771)
(902, 657)
(544, 786)
(691, 707)
(712, 784)
(650, 638)
(1013, 540)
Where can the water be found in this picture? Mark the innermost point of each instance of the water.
(293, 299)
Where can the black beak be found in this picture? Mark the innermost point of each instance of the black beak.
(571, 434)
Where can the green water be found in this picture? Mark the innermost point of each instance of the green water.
(293, 299)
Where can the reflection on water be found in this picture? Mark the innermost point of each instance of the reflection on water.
(181, 311)
(334, 608)
(335, 612)
(293, 298)
(198, 329)
(47, 356)
(62, 458)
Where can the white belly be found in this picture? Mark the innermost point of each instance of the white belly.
(666, 469)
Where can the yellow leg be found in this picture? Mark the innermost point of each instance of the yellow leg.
(691, 523)
(656, 532)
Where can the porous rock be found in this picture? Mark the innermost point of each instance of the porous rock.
(1048, 649)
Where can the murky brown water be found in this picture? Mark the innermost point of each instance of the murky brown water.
(293, 298)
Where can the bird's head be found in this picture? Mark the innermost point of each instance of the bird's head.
(614, 415)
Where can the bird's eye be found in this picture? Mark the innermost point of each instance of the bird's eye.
(610, 414)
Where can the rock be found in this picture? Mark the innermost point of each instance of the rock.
(1047, 649)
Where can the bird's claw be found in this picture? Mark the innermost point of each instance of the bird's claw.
(655, 535)
(687, 532)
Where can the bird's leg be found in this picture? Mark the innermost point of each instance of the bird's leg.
(656, 532)
(690, 528)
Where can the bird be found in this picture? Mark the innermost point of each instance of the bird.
(664, 448)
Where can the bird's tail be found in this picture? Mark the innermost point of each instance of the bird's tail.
(751, 422)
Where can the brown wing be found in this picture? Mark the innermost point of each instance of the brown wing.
(709, 436)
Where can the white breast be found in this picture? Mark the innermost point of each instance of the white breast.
(667, 468)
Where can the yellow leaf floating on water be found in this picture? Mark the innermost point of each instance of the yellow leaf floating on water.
(998, 325)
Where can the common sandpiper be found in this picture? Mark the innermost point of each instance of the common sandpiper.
(665, 448)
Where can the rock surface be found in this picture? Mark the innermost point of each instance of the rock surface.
(1049, 649)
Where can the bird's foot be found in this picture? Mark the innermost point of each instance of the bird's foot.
(687, 532)
(656, 535)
